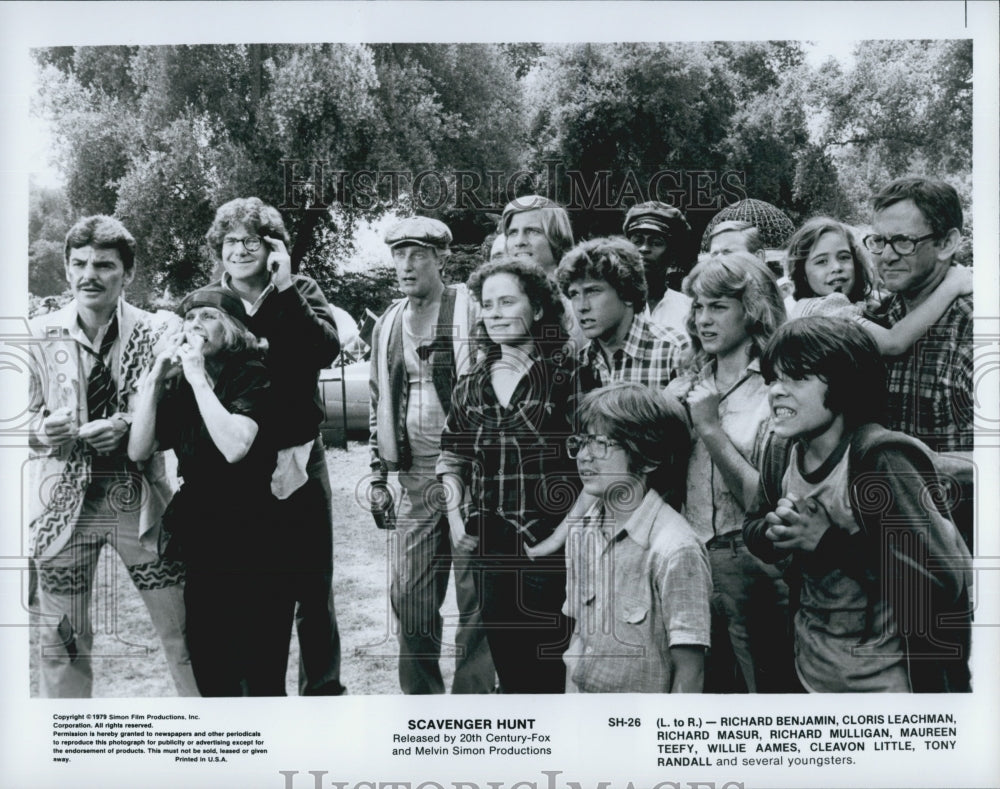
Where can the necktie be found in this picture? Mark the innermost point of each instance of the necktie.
(101, 394)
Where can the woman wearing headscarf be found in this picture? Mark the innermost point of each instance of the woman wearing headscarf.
(207, 397)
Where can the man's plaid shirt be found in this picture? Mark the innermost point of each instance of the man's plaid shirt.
(651, 355)
(930, 386)
(514, 459)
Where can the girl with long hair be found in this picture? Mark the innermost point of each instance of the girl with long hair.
(735, 308)
(831, 275)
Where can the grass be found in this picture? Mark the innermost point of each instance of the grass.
(129, 661)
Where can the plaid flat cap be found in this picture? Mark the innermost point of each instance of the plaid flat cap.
(420, 230)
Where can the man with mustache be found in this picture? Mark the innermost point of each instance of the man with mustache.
(87, 361)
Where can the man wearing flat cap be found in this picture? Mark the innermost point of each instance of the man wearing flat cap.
(663, 237)
(420, 346)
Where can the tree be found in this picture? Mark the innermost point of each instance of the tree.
(161, 136)
(904, 107)
(613, 116)
(49, 218)
(695, 125)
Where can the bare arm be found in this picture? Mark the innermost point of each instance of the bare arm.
(232, 434)
(901, 337)
(689, 669)
(557, 539)
(455, 490)
(142, 438)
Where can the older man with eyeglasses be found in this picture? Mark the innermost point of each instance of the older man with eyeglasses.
(916, 231)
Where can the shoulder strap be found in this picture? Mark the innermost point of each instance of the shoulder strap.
(773, 465)
(443, 367)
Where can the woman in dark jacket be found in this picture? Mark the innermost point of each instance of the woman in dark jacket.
(505, 442)
(208, 398)
(249, 239)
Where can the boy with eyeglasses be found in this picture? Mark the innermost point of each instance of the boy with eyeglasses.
(604, 281)
(638, 582)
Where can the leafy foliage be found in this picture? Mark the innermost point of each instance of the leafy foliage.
(906, 106)
(161, 136)
(49, 217)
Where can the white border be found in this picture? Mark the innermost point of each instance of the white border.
(349, 737)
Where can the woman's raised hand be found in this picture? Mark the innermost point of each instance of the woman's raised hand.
(191, 358)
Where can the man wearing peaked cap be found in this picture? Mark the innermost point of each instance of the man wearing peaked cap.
(420, 347)
(663, 236)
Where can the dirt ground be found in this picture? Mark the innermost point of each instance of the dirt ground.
(128, 659)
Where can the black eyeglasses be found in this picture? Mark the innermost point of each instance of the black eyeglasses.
(901, 245)
(597, 446)
(250, 243)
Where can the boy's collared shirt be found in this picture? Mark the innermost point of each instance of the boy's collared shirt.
(671, 312)
(651, 355)
(635, 589)
(744, 413)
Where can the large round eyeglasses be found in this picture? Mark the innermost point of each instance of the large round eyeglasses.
(250, 243)
(597, 446)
